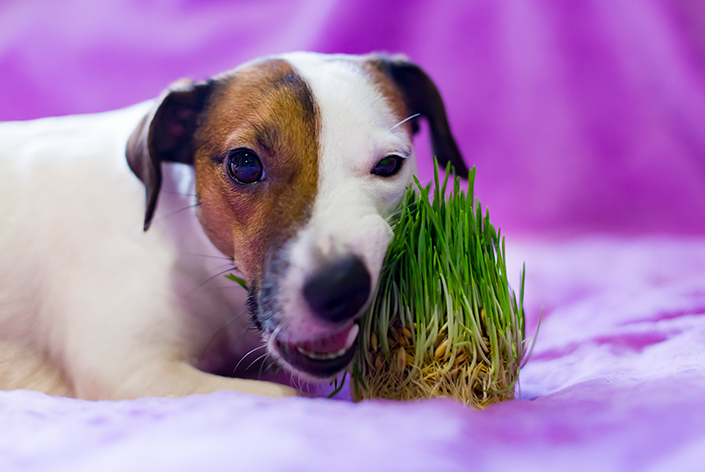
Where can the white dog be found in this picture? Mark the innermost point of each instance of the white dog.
(293, 165)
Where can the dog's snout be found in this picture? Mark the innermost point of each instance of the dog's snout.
(338, 291)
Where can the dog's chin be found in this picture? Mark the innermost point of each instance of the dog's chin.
(317, 359)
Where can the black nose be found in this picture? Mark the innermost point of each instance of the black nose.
(338, 292)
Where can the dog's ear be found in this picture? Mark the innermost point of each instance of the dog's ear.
(421, 96)
(166, 134)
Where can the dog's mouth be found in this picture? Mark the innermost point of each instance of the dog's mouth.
(322, 357)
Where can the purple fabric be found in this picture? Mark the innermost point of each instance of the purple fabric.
(582, 117)
(616, 383)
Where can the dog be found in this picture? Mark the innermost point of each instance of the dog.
(117, 228)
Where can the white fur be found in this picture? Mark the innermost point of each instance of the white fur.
(116, 312)
(351, 207)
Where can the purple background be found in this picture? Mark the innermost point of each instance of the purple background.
(581, 115)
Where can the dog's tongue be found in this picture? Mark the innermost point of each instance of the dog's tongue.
(333, 343)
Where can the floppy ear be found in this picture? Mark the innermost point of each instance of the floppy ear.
(166, 134)
(421, 96)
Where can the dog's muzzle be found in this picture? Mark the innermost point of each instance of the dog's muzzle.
(336, 294)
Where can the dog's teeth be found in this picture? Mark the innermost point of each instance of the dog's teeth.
(351, 337)
(304, 351)
(323, 356)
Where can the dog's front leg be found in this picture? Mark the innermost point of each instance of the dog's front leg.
(158, 377)
(114, 356)
(161, 378)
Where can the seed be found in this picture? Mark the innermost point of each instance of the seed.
(394, 334)
(379, 362)
(401, 358)
(460, 358)
(373, 340)
(441, 350)
(406, 333)
(392, 344)
(402, 341)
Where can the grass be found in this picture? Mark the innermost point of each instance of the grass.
(444, 321)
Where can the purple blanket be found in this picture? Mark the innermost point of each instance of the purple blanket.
(616, 383)
(586, 122)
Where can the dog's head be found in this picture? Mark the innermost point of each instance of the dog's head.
(299, 162)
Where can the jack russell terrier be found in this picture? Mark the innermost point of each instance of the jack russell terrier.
(286, 169)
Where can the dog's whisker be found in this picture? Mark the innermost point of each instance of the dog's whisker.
(405, 120)
(393, 216)
(264, 362)
(220, 287)
(229, 269)
(225, 258)
(303, 384)
(243, 357)
(250, 327)
(174, 213)
(298, 382)
(255, 361)
(229, 265)
(274, 334)
(172, 192)
(225, 325)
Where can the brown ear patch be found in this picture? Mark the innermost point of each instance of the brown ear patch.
(420, 95)
(269, 109)
(377, 74)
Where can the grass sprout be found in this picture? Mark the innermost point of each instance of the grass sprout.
(444, 321)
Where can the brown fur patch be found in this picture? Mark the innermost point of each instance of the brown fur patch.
(375, 70)
(268, 108)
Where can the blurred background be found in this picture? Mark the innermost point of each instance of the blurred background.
(582, 116)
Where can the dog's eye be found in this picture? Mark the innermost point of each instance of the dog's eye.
(388, 166)
(244, 167)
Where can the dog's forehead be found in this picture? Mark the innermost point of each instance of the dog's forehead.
(256, 102)
(350, 90)
(350, 98)
(358, 106)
